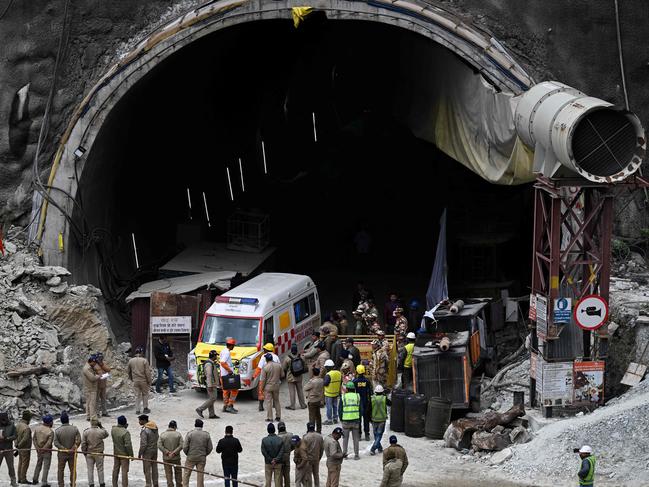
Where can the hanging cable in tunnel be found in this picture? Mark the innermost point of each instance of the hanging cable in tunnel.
(207, 213)
(243, 188)
(227, 170)
(263, 154)
(189, 202)
(315, 133)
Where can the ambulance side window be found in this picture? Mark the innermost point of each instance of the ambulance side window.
(304, 308)
(269, 331)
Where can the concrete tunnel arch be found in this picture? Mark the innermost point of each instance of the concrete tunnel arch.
(477, 49)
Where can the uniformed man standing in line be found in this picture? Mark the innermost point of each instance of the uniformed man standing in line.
(197, 446)
(123, 447)
(334, 457)
(302, 469)
(24, 445)
(7, 437)
(212, 378)
(149, 450)
(67, 439)
(170, 444)
(92, 446)
(288, 448)
(271, 378)
(90, 386)
(140, 373)
(314, 445)
(43, 438)
(102, 369)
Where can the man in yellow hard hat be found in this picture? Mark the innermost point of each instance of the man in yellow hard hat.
(364, 390)
(267, 348)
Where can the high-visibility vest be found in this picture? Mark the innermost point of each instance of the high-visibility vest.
(379, 409)
(351, 407)
(410, 348)
(590, 477)
(333, 389)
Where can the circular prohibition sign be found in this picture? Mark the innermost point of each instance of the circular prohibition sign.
(591, 312)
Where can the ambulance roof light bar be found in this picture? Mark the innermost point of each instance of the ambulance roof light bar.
(233, 300)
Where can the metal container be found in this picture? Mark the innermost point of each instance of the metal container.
(415, 415)
(438, 417)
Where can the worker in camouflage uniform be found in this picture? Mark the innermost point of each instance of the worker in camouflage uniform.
(379, 363)
(401, 324)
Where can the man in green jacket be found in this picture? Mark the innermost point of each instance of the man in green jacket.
(170, 444)
(379, 412)
(272, 448)
(586, 472)
(350, 415)
(122, 447)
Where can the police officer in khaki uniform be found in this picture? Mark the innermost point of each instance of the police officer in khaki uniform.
(42, 439)
(67, 439)
(102, 368)
(24, 445)
(271, 378)
(212, 379)
(170, 444)
(90, 386)
(92, 446)
(197, 446)
(140, 373)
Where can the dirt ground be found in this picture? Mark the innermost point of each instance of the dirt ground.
(426, 457)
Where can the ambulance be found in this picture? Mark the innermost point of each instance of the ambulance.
(277, 308)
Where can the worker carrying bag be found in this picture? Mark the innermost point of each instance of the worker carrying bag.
(297, 366)
(231, 381)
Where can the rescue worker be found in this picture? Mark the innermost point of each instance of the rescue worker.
(163, 358)
(379, 410)
(311, 355)
(92, 446)
(271, 378)
(229, 447)
(148, 450)
(268, 348)
(294, 367)
(90, 386)
(314, 446)
(406, 376)
(197, 446)
(302, 468)
(396, 451)
(122, 447)
(7, 437)
(388, 312)
(24, 444)
(371, 316)
(139, 373)
(379, 364)
(332, 344)
(334, 457)
(392, 476)
(322, 358)
(400, 324)
(288, 448)
(332, 382)
(43, 437)
(67, 439)
(350, 415)
(272, 448)
(226, 368)
(314, 390)
(170, 444)
(364, 391)
(347, 370)
(586, 472)
(101, 368)
(209, 368)
(353, 350)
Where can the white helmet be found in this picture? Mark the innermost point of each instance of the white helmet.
(329, 363)
(411, 336)
(378, 389)
(585, 449)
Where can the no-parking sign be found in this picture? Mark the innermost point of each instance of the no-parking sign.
(591, 312)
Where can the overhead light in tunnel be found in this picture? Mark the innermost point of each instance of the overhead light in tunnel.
(315, 133)
(79, 152)
(263, 154)
(243, 188)
(189, 201)
(227, 170)
(137, 261)
(207, 213)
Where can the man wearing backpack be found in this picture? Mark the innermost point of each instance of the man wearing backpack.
(294, 367)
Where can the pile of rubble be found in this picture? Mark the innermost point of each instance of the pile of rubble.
(48, 327)
(497, 393)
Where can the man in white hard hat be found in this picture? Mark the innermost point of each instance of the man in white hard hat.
(587, 471)
(332, 383)
(406, 376)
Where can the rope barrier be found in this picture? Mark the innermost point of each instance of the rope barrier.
(125, 457)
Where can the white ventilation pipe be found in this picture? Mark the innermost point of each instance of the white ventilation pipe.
(574, 133)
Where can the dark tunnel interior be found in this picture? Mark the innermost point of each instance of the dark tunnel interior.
(366, 180)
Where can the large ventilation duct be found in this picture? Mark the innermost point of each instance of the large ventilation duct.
(574, 133)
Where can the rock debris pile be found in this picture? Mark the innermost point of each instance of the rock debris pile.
(48, 327)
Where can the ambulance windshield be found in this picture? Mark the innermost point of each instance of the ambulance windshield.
(219, 328)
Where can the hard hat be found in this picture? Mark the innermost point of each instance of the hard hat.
(231, 341)
(269, 347)
(360, 369)
(378, 389)
(585, 449)
(411, 336)
(329, 363)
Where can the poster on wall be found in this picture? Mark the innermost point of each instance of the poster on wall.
(589, 382)
(557, 389)
(541, 317)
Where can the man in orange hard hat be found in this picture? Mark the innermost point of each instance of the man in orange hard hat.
(225, 361)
